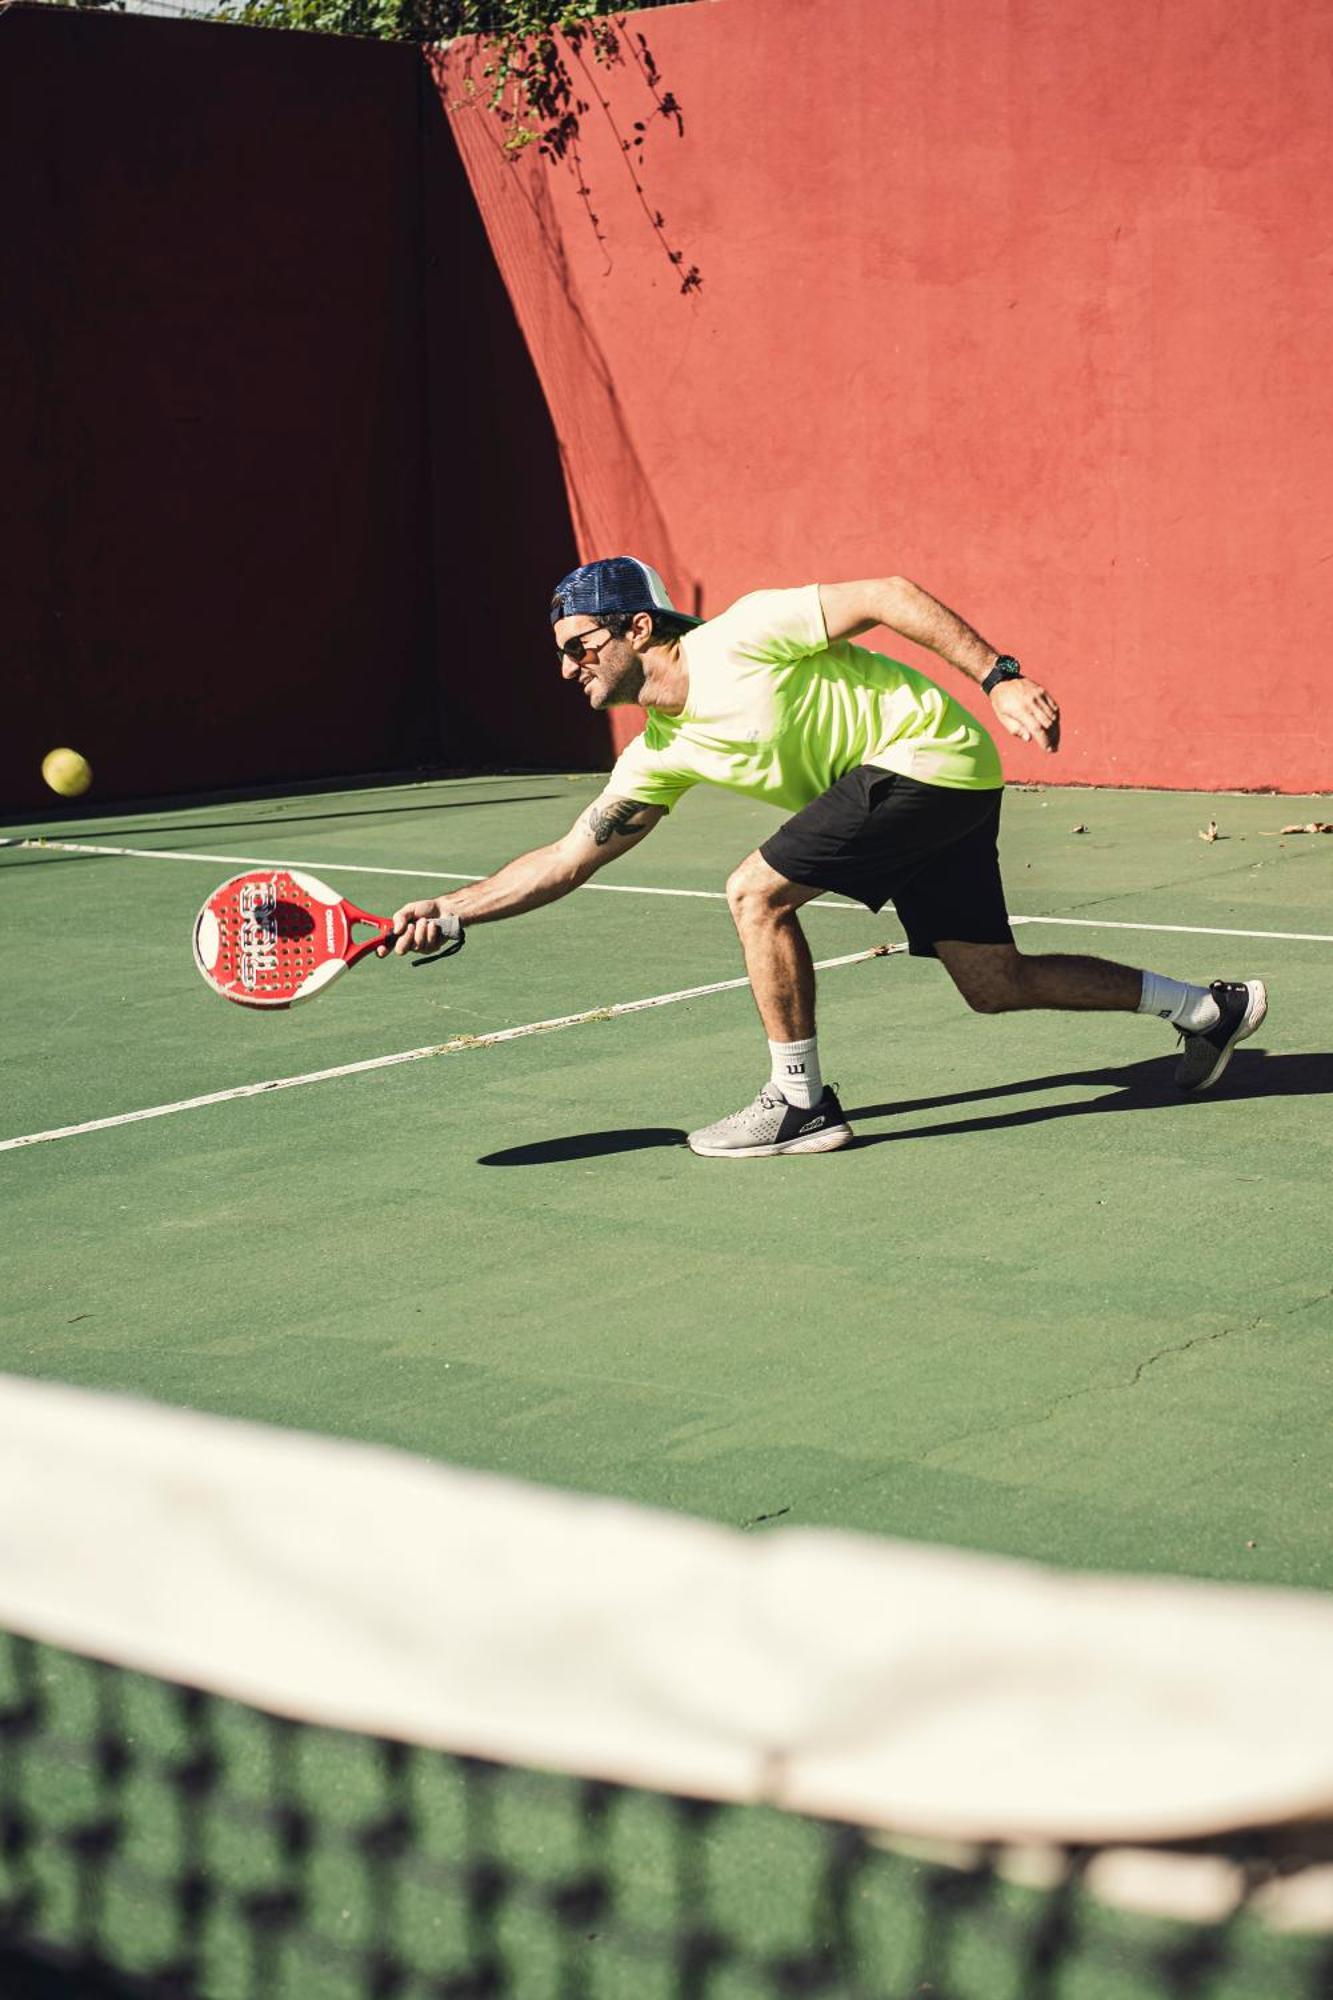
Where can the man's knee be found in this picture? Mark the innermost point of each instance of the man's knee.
(987, 999)
(989, 977)
(750, 887)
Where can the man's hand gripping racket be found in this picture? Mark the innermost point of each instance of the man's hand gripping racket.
(278, 935)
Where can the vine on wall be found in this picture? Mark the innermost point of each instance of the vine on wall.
(539, 59)
(542, 86)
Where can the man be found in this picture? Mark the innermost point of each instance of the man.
(895, 791)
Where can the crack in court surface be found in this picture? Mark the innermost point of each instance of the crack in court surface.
(1225, 1333)
(1021, 1424)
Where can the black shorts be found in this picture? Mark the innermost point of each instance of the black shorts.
(928, 849)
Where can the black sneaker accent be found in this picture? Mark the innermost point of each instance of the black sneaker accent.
(770, 1126)
(1242, 1005)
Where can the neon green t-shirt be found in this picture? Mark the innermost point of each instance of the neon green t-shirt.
(776, 711)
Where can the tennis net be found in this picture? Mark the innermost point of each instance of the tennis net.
(280, 1717)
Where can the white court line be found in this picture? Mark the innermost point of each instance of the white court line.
(454, 1047)
(1176, 930)
(639, 889)
(1079, 923)
(363, 868)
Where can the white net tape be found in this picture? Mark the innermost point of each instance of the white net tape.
(902, 1687)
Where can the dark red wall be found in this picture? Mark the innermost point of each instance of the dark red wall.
(1025, 300)
(233, 504)
(216, 495)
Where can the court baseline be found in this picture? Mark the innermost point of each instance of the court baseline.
(637, 889)
(463, 1042)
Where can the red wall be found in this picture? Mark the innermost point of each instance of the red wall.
(1026, 301)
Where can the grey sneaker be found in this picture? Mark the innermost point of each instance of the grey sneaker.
(1204, 1056)
(770, 1125)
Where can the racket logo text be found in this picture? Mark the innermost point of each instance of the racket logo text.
(257, 944)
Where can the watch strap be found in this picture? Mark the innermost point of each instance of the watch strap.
(1006, 668)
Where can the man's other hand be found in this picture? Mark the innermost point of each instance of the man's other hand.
(1028, 712)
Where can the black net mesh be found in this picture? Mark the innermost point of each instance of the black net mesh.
(158, 1841)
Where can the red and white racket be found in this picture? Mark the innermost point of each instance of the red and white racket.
(278, 935)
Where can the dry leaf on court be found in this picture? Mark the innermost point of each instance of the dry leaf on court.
(1311, 826)
(1209, 832)
(1080, 828)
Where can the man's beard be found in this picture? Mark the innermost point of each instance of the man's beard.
(625, 687)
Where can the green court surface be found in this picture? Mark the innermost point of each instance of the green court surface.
(1043, 1306)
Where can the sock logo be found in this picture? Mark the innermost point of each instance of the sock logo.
(796, 1069)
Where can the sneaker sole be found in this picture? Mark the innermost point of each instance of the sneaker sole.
(817, 1142)
(1250, 1020)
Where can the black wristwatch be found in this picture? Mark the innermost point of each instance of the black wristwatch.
(1006, 668)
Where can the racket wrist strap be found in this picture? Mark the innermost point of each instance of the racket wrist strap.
(455, 937)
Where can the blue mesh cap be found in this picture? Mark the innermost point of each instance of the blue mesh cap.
(617, 583)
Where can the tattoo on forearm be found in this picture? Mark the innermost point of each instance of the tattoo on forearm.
(608, 818)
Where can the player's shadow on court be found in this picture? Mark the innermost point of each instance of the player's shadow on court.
(585, 1146)
(1142, 1086)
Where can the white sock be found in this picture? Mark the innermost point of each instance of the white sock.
(1190, 1007)
(795, 1072)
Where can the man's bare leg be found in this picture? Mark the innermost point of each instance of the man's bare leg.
(793, 1113)
(1000, 979)
(993, 979)
(777, 955)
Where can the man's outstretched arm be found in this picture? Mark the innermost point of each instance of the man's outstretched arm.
(610, 827)
(1023, 707)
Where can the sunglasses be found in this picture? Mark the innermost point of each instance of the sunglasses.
(577, 648)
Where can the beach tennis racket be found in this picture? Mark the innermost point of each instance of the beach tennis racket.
(278, 935)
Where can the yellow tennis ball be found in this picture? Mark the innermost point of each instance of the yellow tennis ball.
(66, 772)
